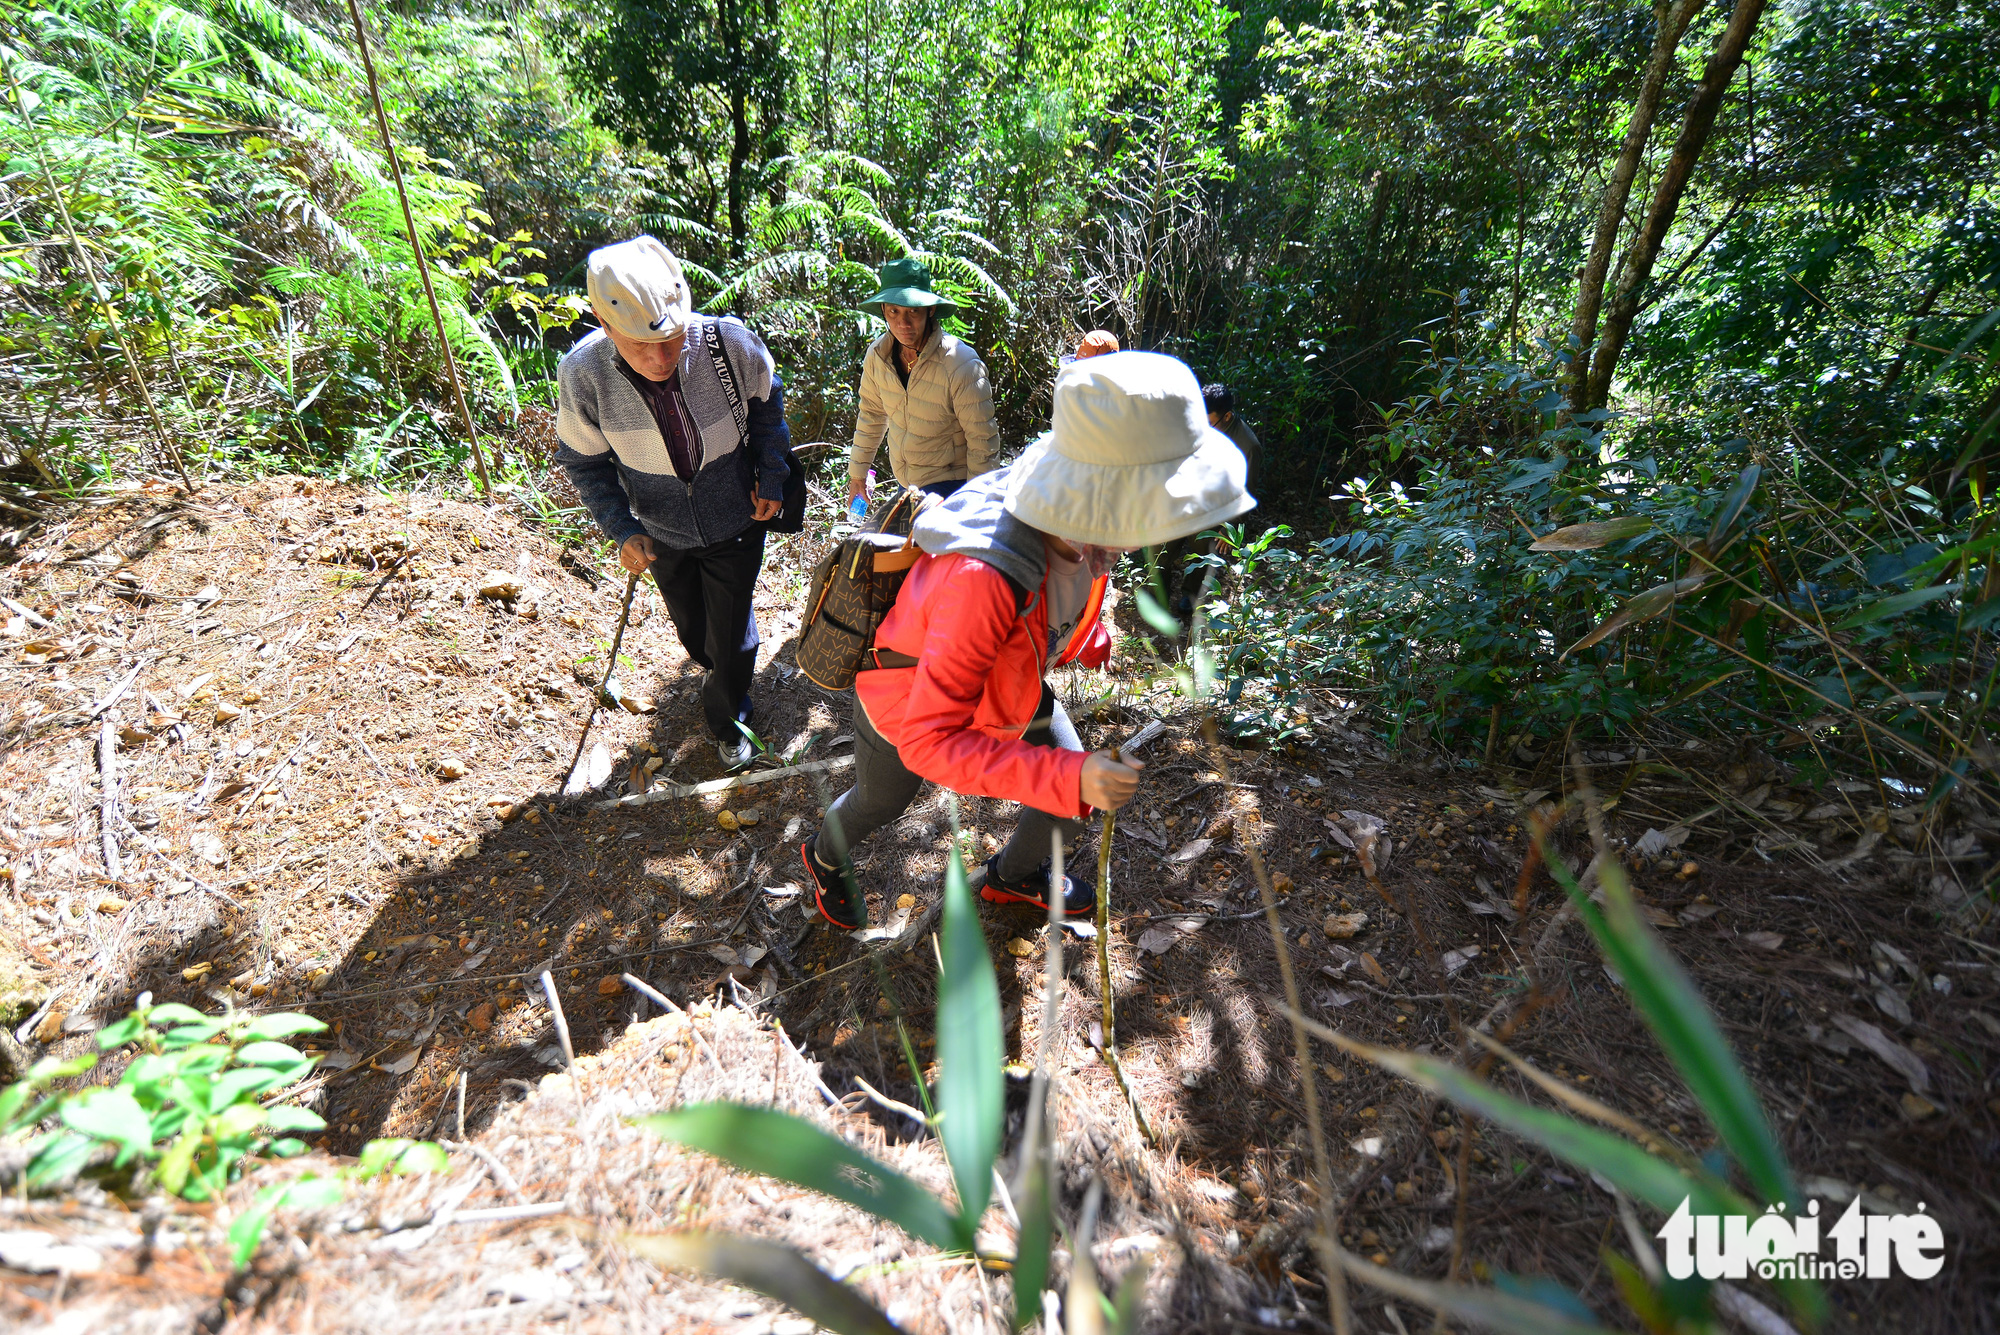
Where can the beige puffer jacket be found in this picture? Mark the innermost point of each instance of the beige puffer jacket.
(939, 429)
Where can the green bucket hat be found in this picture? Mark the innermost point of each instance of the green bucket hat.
(907, 283)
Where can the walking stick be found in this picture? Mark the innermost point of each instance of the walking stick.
(610, 667)
(1104, 967)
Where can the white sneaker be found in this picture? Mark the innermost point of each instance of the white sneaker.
(736, 756)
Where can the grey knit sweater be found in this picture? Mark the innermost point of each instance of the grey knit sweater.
(612, 448)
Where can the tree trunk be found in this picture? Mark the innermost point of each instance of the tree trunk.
(1674, 19)
(739, 160)
(1695, 129)
(738, 85)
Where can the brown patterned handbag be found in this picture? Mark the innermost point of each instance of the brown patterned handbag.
(853, 588)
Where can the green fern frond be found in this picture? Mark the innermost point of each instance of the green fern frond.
(672, 224)
(809, 265)
(289, 34)
(968, 274)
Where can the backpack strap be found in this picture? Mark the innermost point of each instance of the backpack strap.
(711, 337)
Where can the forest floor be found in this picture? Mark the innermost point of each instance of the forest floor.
(332, 770)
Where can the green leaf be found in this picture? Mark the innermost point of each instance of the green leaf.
(1642, 607)
(39, 1077)
(308, 1193)
(179, 1158)
(1589, 537)
(1031, 1251)
(771, 1269)
(111, 1115)
(396, 1154)
(1732, 506)
(171, 1013)
(1978, 618)
(195, 1031)
(286, 1147)
(60, 1159)
(971, 1048)
(270, 1054)
(1158, 617)
(1896, 604)
(121, 1032)
(241, 1083)
(1489, 1309)
(238, 1120)
(1130, 1305)
(247, 1231)
(775, 1144)
(291, 1117)
(283, 1024)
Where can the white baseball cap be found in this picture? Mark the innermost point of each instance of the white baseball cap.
(1130, 459)
(638, 289)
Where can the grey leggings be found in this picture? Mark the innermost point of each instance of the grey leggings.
(884, 788)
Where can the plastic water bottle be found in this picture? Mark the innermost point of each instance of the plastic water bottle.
(857, 509)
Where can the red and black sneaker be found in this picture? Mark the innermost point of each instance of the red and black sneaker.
(835, 894)
(1078, 898)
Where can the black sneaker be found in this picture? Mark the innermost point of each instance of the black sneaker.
(835, 894)
(1078, 898)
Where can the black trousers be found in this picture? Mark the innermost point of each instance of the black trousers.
(944, 488)
(708, 592)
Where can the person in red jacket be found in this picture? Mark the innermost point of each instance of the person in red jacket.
(1012, 580)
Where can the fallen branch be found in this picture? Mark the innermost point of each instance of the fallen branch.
(501, 1176)
(724, 785)
(107, 810)
(499, 1214)
(274, 772)
(111, 697)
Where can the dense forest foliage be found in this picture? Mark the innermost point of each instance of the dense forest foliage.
(1723, 281)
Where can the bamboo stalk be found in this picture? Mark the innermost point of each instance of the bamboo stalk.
(417, 246)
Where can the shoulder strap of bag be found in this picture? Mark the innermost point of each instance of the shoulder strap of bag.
(711, 337)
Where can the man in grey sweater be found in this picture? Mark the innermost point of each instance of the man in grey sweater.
(673, 429)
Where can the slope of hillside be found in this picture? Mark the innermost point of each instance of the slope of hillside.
(295, 745)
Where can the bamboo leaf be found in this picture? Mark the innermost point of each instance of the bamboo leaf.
(1488, 1308)
(971, 1048)
(1642, 607)
(770, 1268)
(1732, 507)
(775, 1144)
(1639, 1174)
(1589, 537)
(1896, 604)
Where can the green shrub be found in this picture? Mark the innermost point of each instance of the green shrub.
(191, 1113)
(1529, 582)
(190, 1108)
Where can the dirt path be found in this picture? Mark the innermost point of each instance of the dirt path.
(333, 789)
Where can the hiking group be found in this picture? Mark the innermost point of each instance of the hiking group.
(673, 429)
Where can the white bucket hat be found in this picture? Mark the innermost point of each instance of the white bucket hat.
(1130, 459)
(638, 289)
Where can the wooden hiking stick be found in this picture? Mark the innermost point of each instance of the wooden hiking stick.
(610, 666)
(1104, 966)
